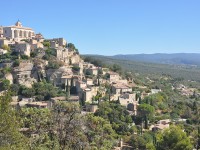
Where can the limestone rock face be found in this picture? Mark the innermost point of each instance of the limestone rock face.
(39, 69)
(75, 58)
(9, 77)
(24, 74)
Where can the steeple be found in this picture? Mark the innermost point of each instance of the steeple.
(18, 23)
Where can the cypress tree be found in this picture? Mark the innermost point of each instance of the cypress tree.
(145, 122)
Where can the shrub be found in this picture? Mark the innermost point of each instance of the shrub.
(5, 47)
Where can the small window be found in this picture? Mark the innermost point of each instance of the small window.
(5, 31)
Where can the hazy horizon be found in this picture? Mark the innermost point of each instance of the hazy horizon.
(144, 54)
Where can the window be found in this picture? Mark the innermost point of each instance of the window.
(5, 31)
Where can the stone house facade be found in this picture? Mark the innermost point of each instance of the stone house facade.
(120, 88)
(18, 32)
(23, 48)
(113, 76)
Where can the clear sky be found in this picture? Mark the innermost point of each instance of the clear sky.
(111, 27)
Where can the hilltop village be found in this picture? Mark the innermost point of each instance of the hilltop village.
(39, 73)
(71, 71)
(83, 81)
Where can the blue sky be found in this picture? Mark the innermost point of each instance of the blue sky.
(109, 27)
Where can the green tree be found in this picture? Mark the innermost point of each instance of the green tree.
(138, 142)
(28, 92)
(116, 68)
(47, 90)
(37, 121)
(24, 57)
(146, 110)
(67, 90)
(198, 140)
(16, 63)
(100, 133)
(117, 115)
(76, 68)
(71, 46)
(10, 137)
(5, 84)
(68, 126)
(173, 139)
(140, 100)
(46, 44)
(6, 70)
(33, 54)
(14, 88)
(54, 64)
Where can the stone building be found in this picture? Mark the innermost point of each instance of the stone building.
(71, 98)
(60, 76)
(85, 93)
(57, 41)
(155, 91)
(4, 41)
(80, 85)
(1, 31)
(36, 45)
(62, 54)
(120, 88)
(113, 76)
(18, 32)
(89, 82)
(39, 37)
(128, 100)
(23, 48)
(61, 41)
(53, 44)
(160, 125)
(38, 105)
(91, 107)
(88, 95)
(93, 71)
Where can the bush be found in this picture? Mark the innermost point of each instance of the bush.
(76, 68)
(5, 84)
(24, 57)
(54, 64)
(51, 51)
(6, 70)
(50, 54)
(94, 61)
(14, 89)
(33, 54)
(5, 47)
(46, 43)
(16, 63)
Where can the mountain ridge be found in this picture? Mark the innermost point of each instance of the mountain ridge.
(163, 58)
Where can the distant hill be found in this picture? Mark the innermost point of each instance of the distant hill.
(177, 58)
(188, 72)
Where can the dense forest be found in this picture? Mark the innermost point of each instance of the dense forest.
(144, 68)
(64, 127)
